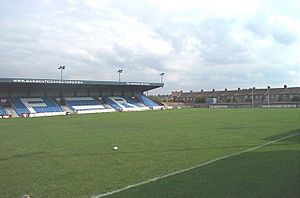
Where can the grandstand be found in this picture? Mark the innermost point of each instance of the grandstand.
(148, 102)
(2, 112)
(48, 97)
(86, 105)
(125, 103)
(35, 106)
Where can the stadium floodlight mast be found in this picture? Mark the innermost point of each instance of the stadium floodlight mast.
(61, 67)
(119, 72)
(252, 101)
(161, 77)
(268, 99)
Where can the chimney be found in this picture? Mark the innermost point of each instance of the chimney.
(285, 86)
(239, 89)
(213, 90)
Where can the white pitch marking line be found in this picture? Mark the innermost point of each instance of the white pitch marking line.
(193, 167)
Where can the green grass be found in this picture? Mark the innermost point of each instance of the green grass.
(72, 156)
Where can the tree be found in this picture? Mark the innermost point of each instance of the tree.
(228, 100)
(296, 98)
(200, 100)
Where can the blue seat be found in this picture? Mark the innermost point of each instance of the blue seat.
(131, 101)
(84, 104)
(39, 105)
(113, 104)
(147, 101)
(51, 106)
(19, 107)
(2, 112)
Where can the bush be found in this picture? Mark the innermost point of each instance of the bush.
(156, 98)
(228, 100)
(200, 100)
(248, 99)
(296, 98)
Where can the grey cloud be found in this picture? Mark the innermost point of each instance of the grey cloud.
(217, 45)
(37, 38)
(262, 28)
(283, 36)
(258, 27)
(220, 47)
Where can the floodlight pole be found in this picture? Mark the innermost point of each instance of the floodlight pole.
(61, 75)
(119, 72)
(61, 68)
(268, 97)
(161, 77)
(252, 102)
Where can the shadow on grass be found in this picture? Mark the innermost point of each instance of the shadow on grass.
(26, 155)
(273, 174)
(37, 155)
(285, 134)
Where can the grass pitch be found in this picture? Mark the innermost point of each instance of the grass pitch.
(73, 156)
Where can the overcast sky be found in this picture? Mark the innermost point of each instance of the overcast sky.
(199, 44)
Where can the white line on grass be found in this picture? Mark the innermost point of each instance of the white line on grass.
(193, 167)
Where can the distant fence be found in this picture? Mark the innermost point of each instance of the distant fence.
(256, 106)
(232, 105)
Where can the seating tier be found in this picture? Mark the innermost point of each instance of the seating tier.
(2, 112)
(35, 105)
(147, 101)
(84, 104)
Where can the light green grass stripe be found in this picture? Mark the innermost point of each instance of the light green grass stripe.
(194, 167)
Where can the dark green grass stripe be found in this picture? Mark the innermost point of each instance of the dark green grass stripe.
(269, 172)
(194, 167)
